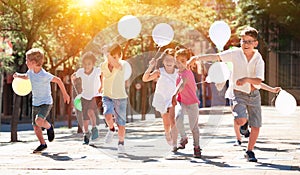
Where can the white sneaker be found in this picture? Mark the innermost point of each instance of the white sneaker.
(121, 148)
(109, 136)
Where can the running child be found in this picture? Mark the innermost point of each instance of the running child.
(114, 94)
(244, 129)
(90, 78)
(247, 75)
(187, 102)
(165, 88)
(42, 101)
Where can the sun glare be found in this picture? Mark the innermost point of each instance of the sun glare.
(87, 3)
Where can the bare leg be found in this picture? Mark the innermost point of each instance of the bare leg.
(121, 133)
(253, 137)
(174, 131)
(39, 134)
(237, 130)
(109, 121)
(92, 117)
(85, 126)
(167, 127)
(40, 122)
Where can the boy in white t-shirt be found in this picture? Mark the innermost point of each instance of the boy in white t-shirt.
(90, 78)
(247, 75)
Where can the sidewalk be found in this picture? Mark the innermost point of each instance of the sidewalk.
(277, 149)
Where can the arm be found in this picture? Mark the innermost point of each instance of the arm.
(179, 88)
(207, 57)
(20, 75)
(148, 75)
(73, 77)
(242, 81)
(58, 81)
(114, 62)
(101, 81)
(269, 88)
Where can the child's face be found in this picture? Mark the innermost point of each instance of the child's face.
(116, 56)
(169, 62)
(248, 43)
(30, 64)
(88, 65)
(181, 62)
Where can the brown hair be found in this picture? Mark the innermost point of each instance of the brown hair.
(183, 52)
(89, 56)
(36, 55)
(115, 49)
(249, 31)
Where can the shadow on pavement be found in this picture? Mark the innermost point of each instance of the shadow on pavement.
(60, 156)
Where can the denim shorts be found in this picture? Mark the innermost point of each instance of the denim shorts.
(117, 107)
(41, 111)
(88, 105)
(248, 106)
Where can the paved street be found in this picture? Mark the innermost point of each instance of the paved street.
(277, 149)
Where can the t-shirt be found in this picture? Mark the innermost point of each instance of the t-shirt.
(188, 94)
(114, 81)
(242, 68)
(90, 83)
(41, 87)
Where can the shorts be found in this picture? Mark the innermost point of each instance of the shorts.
(248, 106)
(88, 105)
(41, 111)
(117, 107)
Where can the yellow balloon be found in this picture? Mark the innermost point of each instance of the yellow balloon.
(21, 86)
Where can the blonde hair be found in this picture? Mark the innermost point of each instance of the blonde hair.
(36, 55)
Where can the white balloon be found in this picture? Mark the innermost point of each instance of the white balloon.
(285, 103)
(128, 70)
(129, 26)
(219, 33)
(218, 72)
(21, 86)
(162, 34)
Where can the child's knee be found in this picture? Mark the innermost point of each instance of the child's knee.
(39, 121)
(240, 121)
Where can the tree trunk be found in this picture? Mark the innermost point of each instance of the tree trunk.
(15, 117)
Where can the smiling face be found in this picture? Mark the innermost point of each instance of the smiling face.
(88, 65)
(169, 62)
(248, 43)
(181, 62)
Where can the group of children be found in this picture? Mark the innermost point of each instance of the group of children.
(174, 96)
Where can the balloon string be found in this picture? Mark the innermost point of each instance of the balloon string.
(201, 82)
(75, 89)
(274, 98)
(157, 58)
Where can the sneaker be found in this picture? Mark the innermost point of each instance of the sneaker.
(247, 134)
(86, 138)
(237, 143)
(244, 129)
(50, 133)
(249, 155)
(174, 149)
(121, 148)
(197, 152)
(183, 142)
(109, 136)
(40, 148)
(95, 133)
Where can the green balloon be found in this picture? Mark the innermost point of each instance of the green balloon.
(77, 102)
